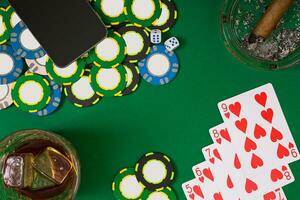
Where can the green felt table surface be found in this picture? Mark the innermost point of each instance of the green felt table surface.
(174, 118)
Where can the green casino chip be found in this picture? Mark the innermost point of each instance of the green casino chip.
(108, 82)
(110, 52)
(67, 75)
(143, 12)
(126, 186)
(31, 92)
(14, 19)
(164, 194)
(111, 11)
(5, 28)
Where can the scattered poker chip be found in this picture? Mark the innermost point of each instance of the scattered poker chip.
(38, 66)
(11, 65)
(126, 186)
(31, 92)
(5, 96)
(167, 18)
(133, 78)
(108, 82)
(137, 42)
(164, 194)
(155, 171)
(143, 12)
(5, 28)
(81, 93)
(67, 75)
(24, 43)
(110, 52)
(110, 11)
(160, 66)
(54, 103)
(14, 18)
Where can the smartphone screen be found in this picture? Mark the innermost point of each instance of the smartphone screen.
(66, 29)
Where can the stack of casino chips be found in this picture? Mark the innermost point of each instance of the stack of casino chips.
(150, 179)
(31, 81)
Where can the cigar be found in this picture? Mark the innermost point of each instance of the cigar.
(270, 19)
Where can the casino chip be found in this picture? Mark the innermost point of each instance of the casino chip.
(38, 66)
(5, 96)
(24, 43)
(11, 65)
(108, 82)
(14, 19)
(164, 194)
(137, 42)
(133, 78)
(67, 75)
(31, 92)
(167, 18)
(54, 103)
(126, 186)
(155, 171)
(143, 12)
(5, 28)
(110, 52)
(81, 93)
(110, 11)
(160, 66)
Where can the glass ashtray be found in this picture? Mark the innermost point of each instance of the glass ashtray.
(280, 50)
(36, 164)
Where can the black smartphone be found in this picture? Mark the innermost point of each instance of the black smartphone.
(66, 29)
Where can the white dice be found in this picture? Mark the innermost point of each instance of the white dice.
(172, 43)
(155, 36)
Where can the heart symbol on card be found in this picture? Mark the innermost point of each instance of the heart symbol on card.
(217, 154)
(218, 196)
(227, 115)
(261, 98)
(282, 151)
(224, 133)
(237, 163)
(229, 182)
(242, 124)
(276, 175)
(284, 168)
(249, 145)
(201, 179)
(267, 115)
(212, 160)
(270, 196)
(256, 161)
(208, 174)
(275, 135)
(235, 108)
(291, 145)
(259, 132)
(250, 186)
(219, 140)
(192, 196)
(198, 191)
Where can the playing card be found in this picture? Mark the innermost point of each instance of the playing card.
(259, 129)
(206, 181)
(227, 167)
(192, 190)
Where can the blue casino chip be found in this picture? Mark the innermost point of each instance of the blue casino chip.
(160, 66)
(11, 65)
(55, 99)
(24, 43)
